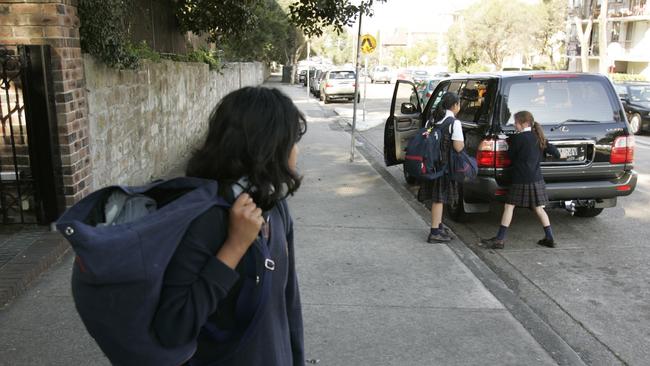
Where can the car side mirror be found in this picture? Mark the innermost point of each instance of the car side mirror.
(625, 100)
(408, 108)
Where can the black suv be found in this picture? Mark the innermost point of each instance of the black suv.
(635, 97)
(581, 115)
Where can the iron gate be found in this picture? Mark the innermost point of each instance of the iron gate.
(27, 189)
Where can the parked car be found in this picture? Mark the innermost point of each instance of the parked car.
(420, 76)
(314, 84)
(580, 114)
(338, 84)
(381, 74)
(302, 76)
(635, 97)
(403, 74)
(426, 88)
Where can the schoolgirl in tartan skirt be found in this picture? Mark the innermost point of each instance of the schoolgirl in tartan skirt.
(443, 190)
(526, 149)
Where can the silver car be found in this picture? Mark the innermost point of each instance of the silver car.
(338, 84)
(381, 74)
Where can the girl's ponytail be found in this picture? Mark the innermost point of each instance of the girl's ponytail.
(541, 138)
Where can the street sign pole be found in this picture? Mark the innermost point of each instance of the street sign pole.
(308, 56)
(365, 87)
(356, 86)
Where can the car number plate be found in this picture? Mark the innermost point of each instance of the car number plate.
(569, 153)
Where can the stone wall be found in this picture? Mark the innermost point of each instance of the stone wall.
(145, 122)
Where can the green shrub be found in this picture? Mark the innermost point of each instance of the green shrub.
(143, 51)
(204, 55)
(627, 77)
(104, 34)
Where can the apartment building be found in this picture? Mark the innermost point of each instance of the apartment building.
(628, 35)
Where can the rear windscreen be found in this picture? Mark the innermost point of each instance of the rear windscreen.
(342, 75)
(639, 93)
(553, 101)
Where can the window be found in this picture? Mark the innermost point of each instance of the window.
(553, 101)
(405, 94)
(473, 104)
(436, 98)
(639, 93)
(342, 75)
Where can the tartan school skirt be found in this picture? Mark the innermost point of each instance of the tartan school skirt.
(441, 190)
(529, 195)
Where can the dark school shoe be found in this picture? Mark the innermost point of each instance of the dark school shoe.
(492, 243)
(438, 238)
(445, 231)
(550, 243)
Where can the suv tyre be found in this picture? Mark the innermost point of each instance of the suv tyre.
(410, 180)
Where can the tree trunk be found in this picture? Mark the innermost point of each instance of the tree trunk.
(602, 39)
(583, 37)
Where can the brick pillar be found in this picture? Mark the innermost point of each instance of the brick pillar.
(56, 23)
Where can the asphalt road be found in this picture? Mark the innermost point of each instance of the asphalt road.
(594, 288)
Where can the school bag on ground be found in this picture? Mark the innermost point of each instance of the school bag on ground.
(124, 238)
(423, 159)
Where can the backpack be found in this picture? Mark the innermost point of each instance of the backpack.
(462, 167)
(124, 238)
(423, 159)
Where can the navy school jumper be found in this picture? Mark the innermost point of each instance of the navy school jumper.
(526, 157)
(198, 288)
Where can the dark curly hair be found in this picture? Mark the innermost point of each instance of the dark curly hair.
(251, 134)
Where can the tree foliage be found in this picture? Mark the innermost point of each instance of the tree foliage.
(267, 41)
(223, 18)
(312, 16)
(550, 36)
(104, 34)
(492, 30)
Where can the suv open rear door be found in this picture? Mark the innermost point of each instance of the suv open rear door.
(404, 121)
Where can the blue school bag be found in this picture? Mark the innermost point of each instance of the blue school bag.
(120, 264)
(423, 160)
(462, 167)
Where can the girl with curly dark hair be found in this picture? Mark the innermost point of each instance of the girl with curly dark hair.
(231, 285)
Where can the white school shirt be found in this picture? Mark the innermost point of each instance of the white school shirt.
(457, 135)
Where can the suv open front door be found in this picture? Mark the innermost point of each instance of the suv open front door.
(404, 121)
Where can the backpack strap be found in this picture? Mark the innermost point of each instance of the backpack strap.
(262, 245)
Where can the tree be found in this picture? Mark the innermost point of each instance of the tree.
(462, 53)
(333, 45)
(499, 28)
(584, 34)
(224, 18)
(312, 16)
(267, 41)
(552, 15)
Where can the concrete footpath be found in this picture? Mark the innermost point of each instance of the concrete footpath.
(373, 291)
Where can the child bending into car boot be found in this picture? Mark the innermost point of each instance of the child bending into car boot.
(526, 149)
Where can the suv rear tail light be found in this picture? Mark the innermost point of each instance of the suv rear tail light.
(493, 153)
(622, 150)
(328, 85)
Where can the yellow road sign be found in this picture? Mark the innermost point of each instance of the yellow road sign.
(368, 43)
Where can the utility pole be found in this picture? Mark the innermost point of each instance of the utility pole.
(308, 67)
(356, 84)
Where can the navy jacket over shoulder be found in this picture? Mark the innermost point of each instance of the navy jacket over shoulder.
(526, 157)
(198, 288)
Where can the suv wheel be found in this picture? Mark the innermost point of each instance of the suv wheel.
(587, 211)
(635, 124)
(407, 177)
(456, 211)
